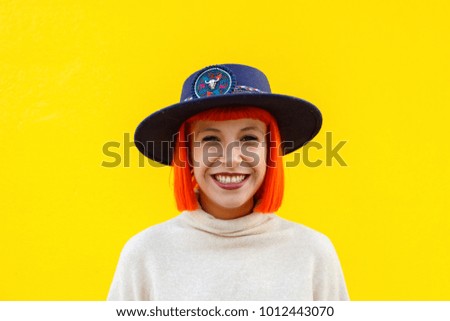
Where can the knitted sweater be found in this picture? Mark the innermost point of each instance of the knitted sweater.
(195, 256)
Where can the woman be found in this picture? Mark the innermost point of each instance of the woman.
(230, 133)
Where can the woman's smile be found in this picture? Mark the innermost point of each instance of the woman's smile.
(230, 181)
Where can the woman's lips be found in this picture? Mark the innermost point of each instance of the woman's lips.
(230, 182)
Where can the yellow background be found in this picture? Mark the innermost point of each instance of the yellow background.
(75, 75)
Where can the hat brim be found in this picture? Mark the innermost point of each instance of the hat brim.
(298, 120)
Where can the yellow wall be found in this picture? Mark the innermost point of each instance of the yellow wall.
(77, 74)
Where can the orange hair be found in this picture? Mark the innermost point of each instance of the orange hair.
(269, 196)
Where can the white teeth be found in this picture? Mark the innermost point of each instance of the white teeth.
(227, 179)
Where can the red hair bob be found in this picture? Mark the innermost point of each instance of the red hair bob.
(269, 196)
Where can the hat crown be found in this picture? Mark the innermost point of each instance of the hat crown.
(242, 76)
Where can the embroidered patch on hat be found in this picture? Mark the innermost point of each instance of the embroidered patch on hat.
(213, 81)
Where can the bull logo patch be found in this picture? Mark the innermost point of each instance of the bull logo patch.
(213, 81)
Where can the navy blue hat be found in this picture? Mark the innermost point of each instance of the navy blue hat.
(227, 85)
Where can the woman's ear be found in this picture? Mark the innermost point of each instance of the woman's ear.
(190, 159)
(189, 142)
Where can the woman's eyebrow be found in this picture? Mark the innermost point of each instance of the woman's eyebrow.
(252, 128)
(209, 129)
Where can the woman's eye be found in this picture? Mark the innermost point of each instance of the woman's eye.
(249, 138)
(210, 139)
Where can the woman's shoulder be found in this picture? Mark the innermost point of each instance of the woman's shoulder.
(158, 235)
(308, 238)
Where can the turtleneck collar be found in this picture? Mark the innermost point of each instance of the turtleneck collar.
(253, 223)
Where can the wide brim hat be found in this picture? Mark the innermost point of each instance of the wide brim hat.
(227, 85)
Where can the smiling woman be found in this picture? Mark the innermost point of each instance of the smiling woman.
(230, 148)
(230, 134)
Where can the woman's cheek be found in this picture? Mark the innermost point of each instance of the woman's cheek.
(253, 155)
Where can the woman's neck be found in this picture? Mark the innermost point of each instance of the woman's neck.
(225, 213)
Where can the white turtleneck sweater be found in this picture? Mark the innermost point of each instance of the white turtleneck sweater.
(195, 256)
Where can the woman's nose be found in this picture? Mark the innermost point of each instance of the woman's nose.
(232, 154)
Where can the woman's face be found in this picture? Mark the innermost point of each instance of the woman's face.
(229, 162)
